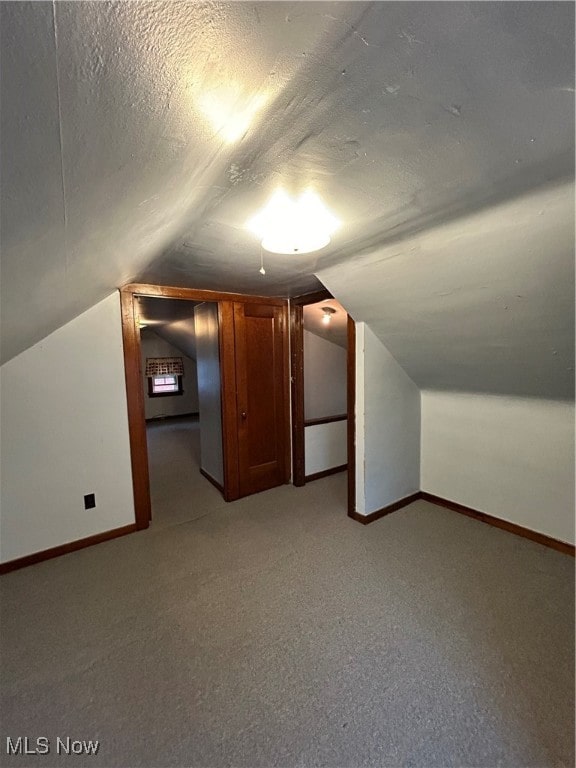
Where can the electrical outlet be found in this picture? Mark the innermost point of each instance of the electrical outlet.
(89, 501)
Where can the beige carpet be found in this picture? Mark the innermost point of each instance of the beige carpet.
(178, 492)
(275, 631)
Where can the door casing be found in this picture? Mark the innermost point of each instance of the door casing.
(135, 393)
(297, 392)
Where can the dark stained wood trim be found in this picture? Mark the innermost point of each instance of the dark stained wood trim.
(135, 395)
(137, 424)
(325, 420)
(193, 294)
(311, 298)
(366, 519)
(285, 326)
(497, 522)
(136, 413)
(483, 517)
(210, 479)
(326, 473)
(351, 389)
(64, 549)
(297, 381)
(228, 401)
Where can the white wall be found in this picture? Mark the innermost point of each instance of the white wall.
(387, 426)
(64, 435)
(209, 389)
(324, 377)
(509, 457)
(154, 346)
(325, 446)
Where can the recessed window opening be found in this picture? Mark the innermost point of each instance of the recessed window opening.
(165, 385)
(164, 376)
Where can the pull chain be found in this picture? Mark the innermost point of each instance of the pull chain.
(262, 270)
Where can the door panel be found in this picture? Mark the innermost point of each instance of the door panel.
(261, 383)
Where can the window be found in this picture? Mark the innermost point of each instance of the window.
(164, 385)
(164, 376)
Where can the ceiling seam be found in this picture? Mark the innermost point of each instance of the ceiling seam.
(61, 142)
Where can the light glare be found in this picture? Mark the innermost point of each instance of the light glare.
(229, 112)
(294, 226)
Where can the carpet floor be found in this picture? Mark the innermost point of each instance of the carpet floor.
(275, 631)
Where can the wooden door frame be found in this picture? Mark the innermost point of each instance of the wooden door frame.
(135, 390)
(297, 390)
(351, 406)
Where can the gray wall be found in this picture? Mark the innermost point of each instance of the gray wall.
(324, 377)
(511, 457)
(65, 434)
(209, 390)
(387, 426)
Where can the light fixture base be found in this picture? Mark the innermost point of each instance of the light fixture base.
(292, 227)
(304, 245)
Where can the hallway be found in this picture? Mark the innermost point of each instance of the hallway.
(178, 492)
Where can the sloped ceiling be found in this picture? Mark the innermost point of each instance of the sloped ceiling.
(137, 138)
(483, 304)
(172, 319)
(336, 330)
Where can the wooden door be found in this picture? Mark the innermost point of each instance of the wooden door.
(262, 396)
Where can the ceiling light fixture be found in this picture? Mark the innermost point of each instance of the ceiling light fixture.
(327, 315)
(286, 225)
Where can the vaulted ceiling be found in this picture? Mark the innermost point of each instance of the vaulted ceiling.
(172, 319)
(138, 138)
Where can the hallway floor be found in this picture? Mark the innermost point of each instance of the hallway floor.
(178, 492)
(275, 631)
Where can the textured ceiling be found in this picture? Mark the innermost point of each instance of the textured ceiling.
(482, 304)
(137, 138)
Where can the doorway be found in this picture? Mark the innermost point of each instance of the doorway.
(182, 406)
(251, 339)
(322, 337)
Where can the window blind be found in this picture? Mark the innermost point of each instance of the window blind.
(160, 366)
